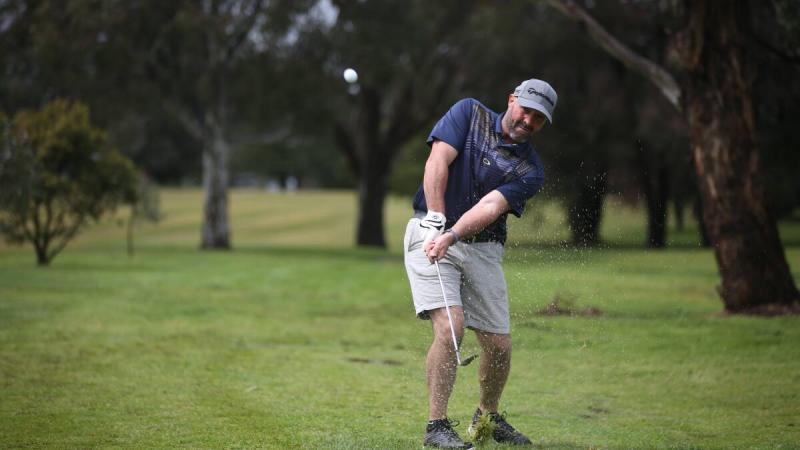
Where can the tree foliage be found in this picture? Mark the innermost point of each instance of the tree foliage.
(58, 173)
(259, 82)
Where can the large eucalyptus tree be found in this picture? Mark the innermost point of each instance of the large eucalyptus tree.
(712, 86)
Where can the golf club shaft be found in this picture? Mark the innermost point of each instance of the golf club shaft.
(449, 317)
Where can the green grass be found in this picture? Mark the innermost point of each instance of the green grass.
(297, 340)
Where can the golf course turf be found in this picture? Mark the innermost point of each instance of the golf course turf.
(297, 339)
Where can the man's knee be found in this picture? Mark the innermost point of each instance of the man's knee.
(495, 344)
(441, 323)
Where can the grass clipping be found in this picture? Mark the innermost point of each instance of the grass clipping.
(481, 430)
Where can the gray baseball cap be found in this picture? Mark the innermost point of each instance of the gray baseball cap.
(539, 95)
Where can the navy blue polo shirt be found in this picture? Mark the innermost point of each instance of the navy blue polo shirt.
(484, 163)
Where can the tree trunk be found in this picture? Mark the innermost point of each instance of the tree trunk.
(371, 196)
(679, 206)
(129, 233)
(376, 162)
(216, 234)
(586, 210)
(41, 256)
(717, 100)
(655, 181)
(369, 152)
(752, 264)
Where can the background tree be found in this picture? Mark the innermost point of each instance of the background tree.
(94, 51)
(147, 69)
(776, 33)
(406, 81)
(195, 60)
(716, 95)
(61, 174)
(167, 79)
(662, 163)
(591, 134)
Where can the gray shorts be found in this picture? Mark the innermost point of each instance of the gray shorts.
(473, 279)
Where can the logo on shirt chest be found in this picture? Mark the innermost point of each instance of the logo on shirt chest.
(486, 162)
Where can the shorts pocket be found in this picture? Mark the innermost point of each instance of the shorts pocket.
(413, 238)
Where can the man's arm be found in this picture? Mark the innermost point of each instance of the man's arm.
(486, 211)
(480, 216)
(434, 182)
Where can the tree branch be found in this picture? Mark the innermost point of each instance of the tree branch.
(655, 73)
(188, 120)
(67, 236)
(242, 31)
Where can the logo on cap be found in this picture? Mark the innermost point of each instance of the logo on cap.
(535, 92)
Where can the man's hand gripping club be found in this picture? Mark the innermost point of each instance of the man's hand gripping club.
(433, 223)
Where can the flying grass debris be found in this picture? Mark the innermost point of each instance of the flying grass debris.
(481, 430)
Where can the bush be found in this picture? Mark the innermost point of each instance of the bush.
(57, 173)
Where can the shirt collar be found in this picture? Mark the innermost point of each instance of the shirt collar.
(518, 149)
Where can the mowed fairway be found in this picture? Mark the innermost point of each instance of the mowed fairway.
(295, 339)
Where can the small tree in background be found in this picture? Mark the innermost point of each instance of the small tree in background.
(57, 173)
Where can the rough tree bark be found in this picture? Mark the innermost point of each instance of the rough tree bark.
(719, 105)
(206, 127)
(216, 232)
(716, 99)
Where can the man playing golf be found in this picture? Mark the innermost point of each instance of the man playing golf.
(481, 167)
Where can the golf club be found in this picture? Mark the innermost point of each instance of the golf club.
(450, 319)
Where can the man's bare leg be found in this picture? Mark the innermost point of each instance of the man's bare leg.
(494, 368)
(441, 361)
(492, 374)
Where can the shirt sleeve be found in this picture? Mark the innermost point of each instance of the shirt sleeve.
(453, 126)
(518, 192)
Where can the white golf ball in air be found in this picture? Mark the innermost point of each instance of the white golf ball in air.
(350, 75)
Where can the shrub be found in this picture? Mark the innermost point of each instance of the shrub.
(57, 173)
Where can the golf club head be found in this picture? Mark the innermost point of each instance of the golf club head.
(466, 361)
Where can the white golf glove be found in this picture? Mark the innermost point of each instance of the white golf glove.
(433, 223)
